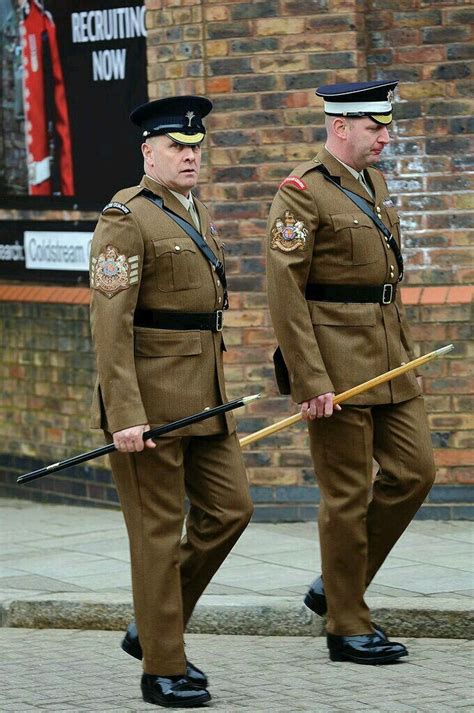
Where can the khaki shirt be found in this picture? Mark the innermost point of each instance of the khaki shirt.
(316, 234)
(141, 259)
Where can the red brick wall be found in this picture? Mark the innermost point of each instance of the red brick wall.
(260, 62)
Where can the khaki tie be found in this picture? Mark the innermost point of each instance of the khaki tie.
(194, 215)
(364, 183)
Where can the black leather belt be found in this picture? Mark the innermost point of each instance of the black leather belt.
(158, 319)
(381, 294)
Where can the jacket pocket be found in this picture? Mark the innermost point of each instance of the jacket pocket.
(163, 343)
(355, 233)
(176, 267)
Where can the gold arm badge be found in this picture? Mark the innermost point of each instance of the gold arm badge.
(288, 235)
(112, 272)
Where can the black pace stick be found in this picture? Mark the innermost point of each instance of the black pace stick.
(152, 433)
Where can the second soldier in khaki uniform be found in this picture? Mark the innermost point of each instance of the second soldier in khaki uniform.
(333, 278)
(156, 315)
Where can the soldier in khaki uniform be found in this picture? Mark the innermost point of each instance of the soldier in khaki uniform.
(156, 316)
(338, 316)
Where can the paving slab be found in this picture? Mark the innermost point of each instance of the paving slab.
(66, 566)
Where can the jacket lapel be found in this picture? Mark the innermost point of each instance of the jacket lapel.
(203, 216)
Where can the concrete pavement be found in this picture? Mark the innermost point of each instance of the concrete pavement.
(75, 671)
(68, 567)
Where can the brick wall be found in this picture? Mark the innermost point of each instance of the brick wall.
(260, 63)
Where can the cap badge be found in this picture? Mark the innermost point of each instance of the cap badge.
(288, 233)
(189, 116)
(390, 95)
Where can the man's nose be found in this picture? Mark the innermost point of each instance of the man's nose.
(384, 136)
(189, 153)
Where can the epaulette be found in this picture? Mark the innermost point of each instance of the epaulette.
(121, 198)
(295, 179)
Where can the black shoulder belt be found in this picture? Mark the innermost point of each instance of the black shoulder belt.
(197, 239)
(365, 208)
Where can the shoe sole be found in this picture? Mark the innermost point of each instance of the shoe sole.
(316, 605)
(337, 656)
(151, 698)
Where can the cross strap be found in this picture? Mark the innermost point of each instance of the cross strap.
(365, 208)
(196, 237)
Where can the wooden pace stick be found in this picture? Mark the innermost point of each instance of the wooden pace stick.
(355, 391)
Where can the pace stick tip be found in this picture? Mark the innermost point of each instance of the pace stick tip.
(249, 399)
(445, 350)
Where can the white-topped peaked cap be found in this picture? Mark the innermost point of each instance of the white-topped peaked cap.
(372, 99)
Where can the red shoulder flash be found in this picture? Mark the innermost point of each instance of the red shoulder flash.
(293, 181)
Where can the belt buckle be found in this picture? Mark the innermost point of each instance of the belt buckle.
(219, 320)
(387, 300)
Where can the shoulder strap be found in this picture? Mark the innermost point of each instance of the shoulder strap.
(365, 208)
(195, 237)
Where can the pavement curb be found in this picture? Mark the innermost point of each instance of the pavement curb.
(421, 617)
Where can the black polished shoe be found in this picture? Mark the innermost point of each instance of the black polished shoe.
(173, 691)
(366, 649)
(131, 645)
(315, 600)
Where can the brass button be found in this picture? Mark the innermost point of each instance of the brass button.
(177, 248)
(356, 221)
(219, 300)
(218, 283)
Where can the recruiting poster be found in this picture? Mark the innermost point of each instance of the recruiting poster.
(70, 73)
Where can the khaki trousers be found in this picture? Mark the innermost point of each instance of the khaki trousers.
(170, 573)
(359, 522)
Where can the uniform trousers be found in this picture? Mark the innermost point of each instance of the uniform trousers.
(169, 571)
(359, 519)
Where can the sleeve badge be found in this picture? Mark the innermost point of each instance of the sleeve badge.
(288, 233)
(295, 182)
(112, 272)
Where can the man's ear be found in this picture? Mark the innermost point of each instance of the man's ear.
(147, 152)
(340, 127)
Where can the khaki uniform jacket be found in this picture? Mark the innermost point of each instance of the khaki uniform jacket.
(328, 239)
(141, 259)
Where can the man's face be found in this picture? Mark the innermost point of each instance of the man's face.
(365, 141)
(173, 165)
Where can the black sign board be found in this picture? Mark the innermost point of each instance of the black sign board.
(46, 251)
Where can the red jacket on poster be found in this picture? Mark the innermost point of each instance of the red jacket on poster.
(46, 116)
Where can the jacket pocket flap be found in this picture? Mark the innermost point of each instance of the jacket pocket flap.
(341, 221)
(342, 314)
(162, 343)
(173, 245)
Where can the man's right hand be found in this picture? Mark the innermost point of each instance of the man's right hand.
(130, 440)
(319, 407)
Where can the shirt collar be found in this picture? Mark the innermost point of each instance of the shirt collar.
(351, 170)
